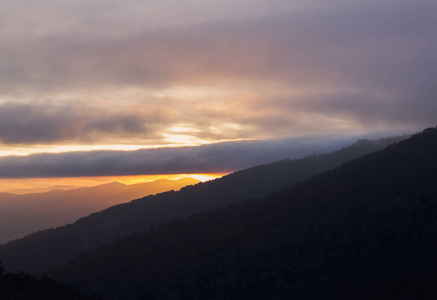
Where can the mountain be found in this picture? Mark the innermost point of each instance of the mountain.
(45, 249)
(23, 286)
(42, 189)
(366, 230)
(21, 215)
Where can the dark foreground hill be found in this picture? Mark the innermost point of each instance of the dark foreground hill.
(42, 250)
(14, 286)
(366, 230)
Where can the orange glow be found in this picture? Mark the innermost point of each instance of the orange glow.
(39, 185)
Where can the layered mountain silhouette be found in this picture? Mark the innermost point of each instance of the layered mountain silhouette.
(50, 248)
(366, 230)
(21, 215)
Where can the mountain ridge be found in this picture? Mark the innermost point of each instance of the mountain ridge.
(364, 230)
(23, 214)
(53, 247)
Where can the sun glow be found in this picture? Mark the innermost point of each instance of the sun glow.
(40, 185)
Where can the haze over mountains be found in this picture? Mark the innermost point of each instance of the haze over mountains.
(23, 191)
(109, 90)
(23, 214)
(42, 250)
(366, 230)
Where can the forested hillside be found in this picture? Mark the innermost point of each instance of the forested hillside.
(366, 230)
(42, 250)
(14, 286)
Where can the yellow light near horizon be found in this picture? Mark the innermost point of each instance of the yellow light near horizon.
(39, 185)
(133, 179)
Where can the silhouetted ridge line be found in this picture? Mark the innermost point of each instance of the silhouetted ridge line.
(23, 286)
(366, 230)
(40, 251)
(21, 215)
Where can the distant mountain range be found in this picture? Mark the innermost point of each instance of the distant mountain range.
(50, 248)
(35, 190)
(21, 215)
(365, 230)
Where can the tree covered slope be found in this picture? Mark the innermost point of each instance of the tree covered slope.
(42, 250)
(15, 286)
(366, 230)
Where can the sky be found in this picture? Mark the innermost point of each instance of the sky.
(111, 87)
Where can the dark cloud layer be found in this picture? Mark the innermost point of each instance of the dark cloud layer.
(346, 66)
(349, 44)
(221, 157)
(32, 124)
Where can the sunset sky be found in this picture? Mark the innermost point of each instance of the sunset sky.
(101, 86)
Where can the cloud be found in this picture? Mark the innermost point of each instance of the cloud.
(220, 157)
(35, 124)
(296, 69)
(314, 47)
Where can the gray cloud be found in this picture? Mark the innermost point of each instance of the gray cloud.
(346, 45)
(368, 64)
(27, 124)
(221, 157)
